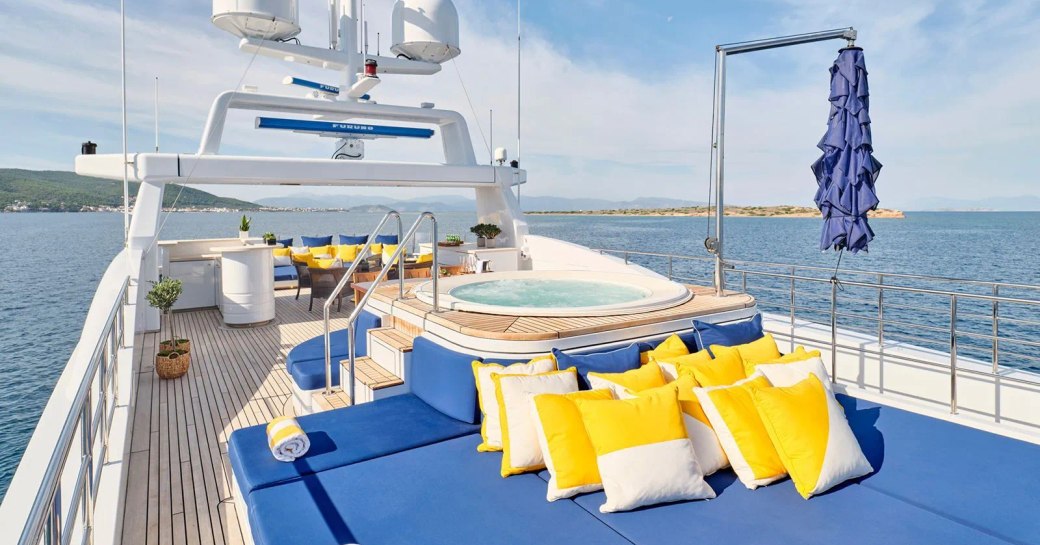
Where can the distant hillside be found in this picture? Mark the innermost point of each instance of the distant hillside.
(456, 203)
(58, 191)
(1022, 203)
(779, 211)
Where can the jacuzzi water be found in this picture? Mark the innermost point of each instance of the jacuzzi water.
(548, 293)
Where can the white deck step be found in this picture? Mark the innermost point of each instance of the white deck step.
(389, 348)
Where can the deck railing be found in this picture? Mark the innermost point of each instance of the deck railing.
(63, 507)
(965, 319)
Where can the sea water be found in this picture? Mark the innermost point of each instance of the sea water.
(52, 263)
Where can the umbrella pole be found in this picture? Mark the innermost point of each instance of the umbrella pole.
(714, 244)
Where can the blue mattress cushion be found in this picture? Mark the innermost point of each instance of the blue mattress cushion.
(732, 334)
(445, 493)
(353, 239)
(444, 379)
(848, 515)
(342, 437)
(310, 242)
(982, 479)
(386, 239)
(287, 242)
(284, 273)
(306, 361)
(614, 361)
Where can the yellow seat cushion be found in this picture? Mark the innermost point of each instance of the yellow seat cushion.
(671, 347)
(706, 445)
(347, 252)
(674, 367)
(565, 444)
(521, 452)
(811, 435)
(424, 258)
(321, 250)
(636, 380)
(282, 252)
(724, 369)
(490, 427)
(643, 452)
(754, 352)
(732, 413)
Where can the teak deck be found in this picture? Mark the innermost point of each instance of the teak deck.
(179, 482)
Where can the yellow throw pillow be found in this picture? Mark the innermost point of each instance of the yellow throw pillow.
(376, 249)
(732, 413)
(673, 368)
(282, 252)
(789, 374)
(811, 436)
(565, 445)
(303, 257)
(636, 380)
(754, 352)
(490, 427)
(671, 347)
(705, 444)
(424, 258)
(643, 452)
(724, 369)
(326, 263)
(520, 449)
(347, 252)
(799, 354)
(321, 250)
(388, 252)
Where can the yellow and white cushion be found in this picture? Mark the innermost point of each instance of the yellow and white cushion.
(811, 436)
(724, 369)
(706, 445)
(673, 367)
(757, 351)
(789, 374)
(520, 449)
(643, 452)
(671, 347)
(636, 380)
(565, 444)
(490, 429)
(732, 413)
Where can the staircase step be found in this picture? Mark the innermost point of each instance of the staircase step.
(336, 400)
(371, 374)
(393, 338)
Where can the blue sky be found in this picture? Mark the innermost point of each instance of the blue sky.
(617, 93)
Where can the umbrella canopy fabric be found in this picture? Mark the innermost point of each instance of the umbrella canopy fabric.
(847, 170)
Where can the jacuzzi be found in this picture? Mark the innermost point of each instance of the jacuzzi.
(556, 293)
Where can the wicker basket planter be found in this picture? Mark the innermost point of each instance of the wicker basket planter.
(183, 345)
(173, 364)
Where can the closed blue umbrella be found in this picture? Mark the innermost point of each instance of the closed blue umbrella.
(847, 170)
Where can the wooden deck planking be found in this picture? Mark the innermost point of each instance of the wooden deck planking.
(179, 488)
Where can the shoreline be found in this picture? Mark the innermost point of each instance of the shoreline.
(735, 212)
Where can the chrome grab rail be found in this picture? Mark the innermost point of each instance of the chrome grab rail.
(352, 319)
(882, 283)
(88, 417)
(346, 280)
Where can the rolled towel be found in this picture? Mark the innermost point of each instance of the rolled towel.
(287, 439)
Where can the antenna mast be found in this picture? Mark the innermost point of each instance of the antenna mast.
(122, 68)
(156, 114)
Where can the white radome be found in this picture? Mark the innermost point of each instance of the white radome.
(274, 20)
(425, 30)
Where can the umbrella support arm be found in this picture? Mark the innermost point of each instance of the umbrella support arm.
(719, 127)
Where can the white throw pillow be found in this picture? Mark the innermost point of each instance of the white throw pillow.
(300, 250)
(490, 428)
(282, 260)
(788, 374)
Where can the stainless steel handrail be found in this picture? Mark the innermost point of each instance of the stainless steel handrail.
(44, 521)
(955, 296)
(395, 258)
(346, 280)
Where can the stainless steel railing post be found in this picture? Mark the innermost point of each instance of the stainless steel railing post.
(436, 272)
(834, 330)
(953, 354)
(881, 312)
(351, 358)
(996, 330)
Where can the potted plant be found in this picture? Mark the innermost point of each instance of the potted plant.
(174, 355)
(451, 241)
(243, 228)
(269, 238)
(486, 233)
